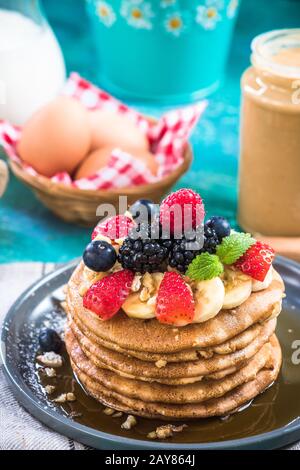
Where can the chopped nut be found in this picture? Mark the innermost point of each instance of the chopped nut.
(176, 337)
(205, 354)
(163, 432)
(157, 277)
(49, 389)
(108, 411)
(50, 359)
(65, 397)
(129, 423)
(83, 288)
(75, 414)
(61, 398)
(118, 414)
(71, 396)
(152, 300)
(144, 295)
(148, 283)
(136, 284)
(50, 372)
(90, 277)
(161, 363)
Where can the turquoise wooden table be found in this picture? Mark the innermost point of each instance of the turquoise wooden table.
(29, 232)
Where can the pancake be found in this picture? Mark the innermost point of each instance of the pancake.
(194, 393)
(150, 336)
(176, 372)
(239, 342)
(224, 405)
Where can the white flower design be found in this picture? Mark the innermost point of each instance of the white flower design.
(167, 3)
(208, 15)
(232, 8)
(177, 22)
(137, 13)
(105, 13)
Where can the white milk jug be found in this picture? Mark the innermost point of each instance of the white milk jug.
(32, 70)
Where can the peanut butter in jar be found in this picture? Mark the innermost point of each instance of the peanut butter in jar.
(269, 193)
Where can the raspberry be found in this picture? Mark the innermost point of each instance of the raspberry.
(114, 227)
(106, 297)
(256, 261)
(175, 303)
(188, 211)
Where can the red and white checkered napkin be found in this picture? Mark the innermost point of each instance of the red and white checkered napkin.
(167, 138)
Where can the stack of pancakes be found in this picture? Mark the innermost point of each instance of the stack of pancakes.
(149, 369)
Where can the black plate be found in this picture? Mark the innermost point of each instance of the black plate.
(39, 306)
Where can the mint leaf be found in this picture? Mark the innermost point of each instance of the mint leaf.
(205, 267)
(234, 246)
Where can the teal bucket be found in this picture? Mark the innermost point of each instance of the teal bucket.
(165, 52)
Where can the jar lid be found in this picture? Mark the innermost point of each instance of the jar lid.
(278, 52)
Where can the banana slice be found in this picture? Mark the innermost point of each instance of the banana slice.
(258, 285)
(238, 288)
(209, 298)
(135, 308)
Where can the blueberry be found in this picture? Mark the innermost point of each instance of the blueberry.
(49, 340)
(145, 209)
(220, 225)
(99, 256)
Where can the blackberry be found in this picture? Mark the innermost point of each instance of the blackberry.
(211, 240)
(180, 256)
(143, 251)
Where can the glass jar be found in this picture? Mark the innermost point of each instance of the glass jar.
(269, 188)
(32, 70)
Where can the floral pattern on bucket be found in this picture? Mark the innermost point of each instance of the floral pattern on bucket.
(137, 13)
(105, 13)
(232, 8)
(167, 3)
(209, 14)
(143, 15)
(177, 22)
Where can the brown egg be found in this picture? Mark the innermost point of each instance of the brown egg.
(112, 129)
(99, 158)
(56, 138)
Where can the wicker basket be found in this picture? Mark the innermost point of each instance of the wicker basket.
(79, 205)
